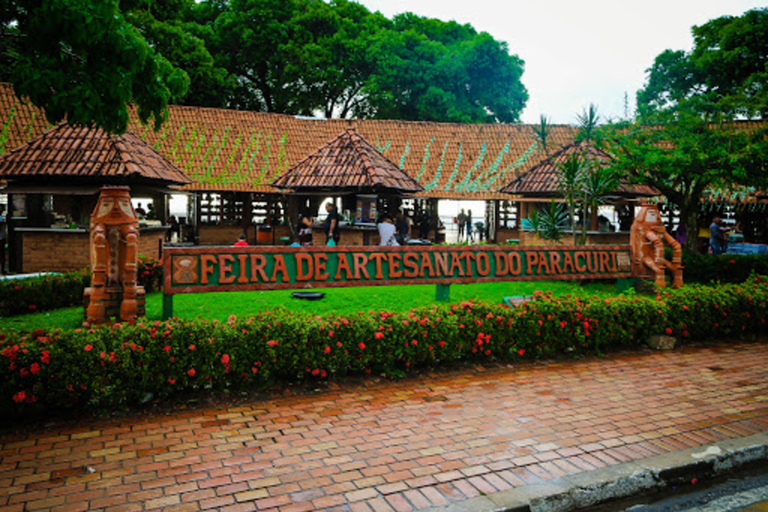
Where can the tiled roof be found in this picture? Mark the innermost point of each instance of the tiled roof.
(229, 150)
(541, 180)
(347, 162)
(81, 152)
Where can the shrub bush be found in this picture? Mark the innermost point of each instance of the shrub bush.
(121, 365)
(51, 291)
(724, 268)
(54, 291)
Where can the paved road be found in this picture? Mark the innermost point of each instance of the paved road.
(433, 441)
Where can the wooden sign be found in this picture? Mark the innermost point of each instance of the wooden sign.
(211, 269)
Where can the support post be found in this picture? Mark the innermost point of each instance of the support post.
(167, 306)
(443, 292)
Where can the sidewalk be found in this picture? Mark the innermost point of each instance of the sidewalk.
(459, 440)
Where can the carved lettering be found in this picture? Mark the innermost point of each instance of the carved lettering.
(243, 277)
(483, 264)
(568, 262)
(378, 257)
(394, 265)
(304, 266)
(258, 262)
(554, 262)
(441, 264)
(225, 268)
(321, 260)
(580, 267)
(426, 266)
(502, 268)
(592, 262)
(280, 268)
(361, 260)
(515, 264)
(343, 265)
(605, 266)
(207, 261)
(531, 261)
(456, 264)
(411, 263)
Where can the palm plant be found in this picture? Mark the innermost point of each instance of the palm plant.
(570, 175)
(597, 183)
(542, 130)
(552, 222)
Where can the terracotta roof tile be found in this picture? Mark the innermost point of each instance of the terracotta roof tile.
(223, 150)
(541, 180)
(346, 162)
(88, 153)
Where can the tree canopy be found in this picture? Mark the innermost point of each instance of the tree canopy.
(82, 60)
(87, 59)
(691, 132)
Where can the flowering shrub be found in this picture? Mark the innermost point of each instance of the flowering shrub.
(725, 268)
(150, 273)
(121, 365)
(52, 291)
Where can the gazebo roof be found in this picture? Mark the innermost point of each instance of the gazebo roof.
(541, 180)
(348, 162)
(89, 154)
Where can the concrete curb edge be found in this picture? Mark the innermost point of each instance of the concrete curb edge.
(653, 474)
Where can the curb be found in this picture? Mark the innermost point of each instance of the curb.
(646, 476)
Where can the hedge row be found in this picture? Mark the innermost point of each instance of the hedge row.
(55, 291)
(124, 365)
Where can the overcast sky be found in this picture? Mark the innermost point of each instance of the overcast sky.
(578, 52)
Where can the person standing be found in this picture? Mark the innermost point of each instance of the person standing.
(3, 238)
(387, 231)
(331, 226)
(462, 218)
(470, 235)
(242, 241)
(403, 225)
(305, 228)
(717, 242)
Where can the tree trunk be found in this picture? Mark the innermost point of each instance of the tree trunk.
(690, 219)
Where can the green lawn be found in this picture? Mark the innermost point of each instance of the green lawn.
(339, 301)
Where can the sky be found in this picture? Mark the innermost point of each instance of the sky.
(578, 52)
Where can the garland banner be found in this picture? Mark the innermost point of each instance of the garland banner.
(213, 269)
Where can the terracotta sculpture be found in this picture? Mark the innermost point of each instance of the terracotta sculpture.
(647, 238)
(114, 259)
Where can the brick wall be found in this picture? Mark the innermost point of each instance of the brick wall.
(69, 250)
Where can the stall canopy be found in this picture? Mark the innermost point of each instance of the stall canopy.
(79, 154)
(347, 163)
(542, 179)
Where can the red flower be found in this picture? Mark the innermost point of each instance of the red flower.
(191, 372)
(327, 350)
(272, 343)
(88, 348)
(330, 334)
(45, 357)
(521, 351)
(19, 397)
(171, 380)
(379, 335)
(191, 347)
(225, 359)
(669, 330)
(361, 345)
(32, 307)
(167, 348)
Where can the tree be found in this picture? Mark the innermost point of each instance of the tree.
(688, 135)
(726, 73)
(681, 154)
(81, 60)
(443, 71)
(570, 175)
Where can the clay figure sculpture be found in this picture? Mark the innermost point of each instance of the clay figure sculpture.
(647, 238)
(114, 259)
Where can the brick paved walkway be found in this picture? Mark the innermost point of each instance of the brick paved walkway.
(395, 446)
